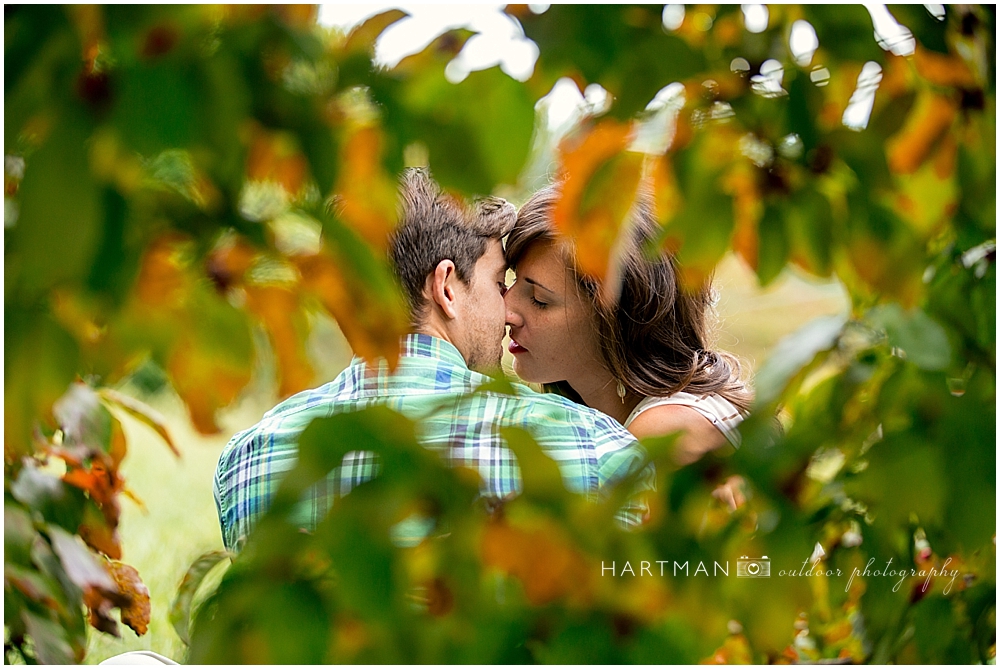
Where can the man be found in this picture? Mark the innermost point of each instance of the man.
(450, 264)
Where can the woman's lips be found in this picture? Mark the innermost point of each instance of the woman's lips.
(516, 348)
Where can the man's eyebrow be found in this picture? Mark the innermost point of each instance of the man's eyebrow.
(535, 283)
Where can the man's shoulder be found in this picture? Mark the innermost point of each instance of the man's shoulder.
(550, 408)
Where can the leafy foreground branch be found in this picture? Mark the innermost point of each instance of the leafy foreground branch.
(179, 177)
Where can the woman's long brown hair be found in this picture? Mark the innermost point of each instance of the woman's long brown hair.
(654, 337)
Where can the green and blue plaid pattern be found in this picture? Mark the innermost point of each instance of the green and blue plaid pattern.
(591, 449)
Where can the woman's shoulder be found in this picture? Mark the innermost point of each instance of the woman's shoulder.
(665, 414)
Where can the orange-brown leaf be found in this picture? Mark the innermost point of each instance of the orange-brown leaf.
(135, 614)
(301, 17)
(542, 558)
(275, 156)
(229, 261)
(942, 69)
(367, 193)
(372, 327)
(930, 118)
(600, 181)
(162, 282)
(279, 310)
(205, 382)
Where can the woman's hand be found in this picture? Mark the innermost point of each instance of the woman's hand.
(730, 492)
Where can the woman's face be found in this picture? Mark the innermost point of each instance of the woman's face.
(551, 323)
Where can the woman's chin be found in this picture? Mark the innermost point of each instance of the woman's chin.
(527, 374)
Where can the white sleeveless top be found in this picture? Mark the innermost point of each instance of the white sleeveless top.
(720, 411)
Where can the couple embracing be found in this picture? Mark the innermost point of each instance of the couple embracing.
(636, 368)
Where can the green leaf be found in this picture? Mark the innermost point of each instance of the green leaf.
(59, 503)
(702, 229)
(623, 48)
(18, 534)
(40, 361)
(142, 412)
(82, 418)
(51, 643)
(905, 476)
(928, 30)
(180, 608)
(845, 31)
(155, 109)
(540, 474)
(773, 248)
(923, 340)
(59, 200)
(477, 132)
(793, 354)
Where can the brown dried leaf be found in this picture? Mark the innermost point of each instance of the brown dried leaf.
(136, 613)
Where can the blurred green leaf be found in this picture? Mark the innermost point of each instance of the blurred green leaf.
(845, 32)
(792, 354)
(928, 29)
(923, 340)
(73, 217)
(180, 609)
(51, 643)
(623, 48)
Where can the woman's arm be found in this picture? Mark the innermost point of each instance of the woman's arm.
(698, 434)
(698, 437)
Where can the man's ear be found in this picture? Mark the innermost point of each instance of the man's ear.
(442, 283)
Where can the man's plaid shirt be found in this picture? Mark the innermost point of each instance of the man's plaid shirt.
(591, 449)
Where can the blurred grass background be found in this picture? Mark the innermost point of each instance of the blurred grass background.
(179, 521)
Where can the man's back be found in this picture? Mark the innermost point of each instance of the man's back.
(434, 387)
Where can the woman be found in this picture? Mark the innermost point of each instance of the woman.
(644, 359)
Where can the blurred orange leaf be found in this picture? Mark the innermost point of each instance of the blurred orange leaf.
(367, 193)
(162, 282)
(372, 326)
(943, 70)
(930, 118)
(542, 558)
(275, 156)
(279, 309)
(204, 381)
(600, 181)
(734, 650)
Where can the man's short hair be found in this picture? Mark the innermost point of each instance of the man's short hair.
(433, 227)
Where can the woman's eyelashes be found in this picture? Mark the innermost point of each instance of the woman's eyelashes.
(537, 303)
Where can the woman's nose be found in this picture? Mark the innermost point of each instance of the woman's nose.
(513, 314)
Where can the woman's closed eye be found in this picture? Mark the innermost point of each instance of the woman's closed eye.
(535, 301)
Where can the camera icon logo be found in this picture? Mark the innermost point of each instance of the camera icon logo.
(753, 567)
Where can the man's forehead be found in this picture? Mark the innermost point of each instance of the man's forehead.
(494, 256)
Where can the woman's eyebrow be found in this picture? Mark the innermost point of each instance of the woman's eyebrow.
(535, 283)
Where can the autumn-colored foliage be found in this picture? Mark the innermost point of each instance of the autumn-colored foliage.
(179, 177)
